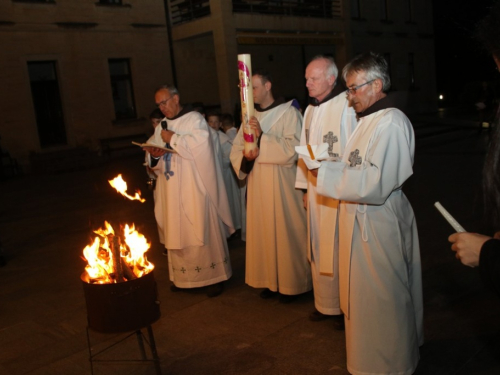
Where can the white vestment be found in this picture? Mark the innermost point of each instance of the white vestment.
(231, 133)
(276, 252)
(196, 213)
(324, 126)
(242, 191)
(230, 179)
(379, 259)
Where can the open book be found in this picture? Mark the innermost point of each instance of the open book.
(153, 145)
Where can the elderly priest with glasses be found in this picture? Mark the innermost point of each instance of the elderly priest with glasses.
(195, 212)
(379, 256)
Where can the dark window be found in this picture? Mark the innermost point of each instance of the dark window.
(34, 1)
(121, 85)
(409, 8)
(384, 11)
(355, 9)
(411, 70)
(47, 103)
(188, 10)
(112, 2)
(295, 8)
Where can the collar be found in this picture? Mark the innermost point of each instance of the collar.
(338, 89)
(186, 109)
(276, 103)
(384, 103)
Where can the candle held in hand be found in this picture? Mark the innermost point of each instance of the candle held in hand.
(449, 218)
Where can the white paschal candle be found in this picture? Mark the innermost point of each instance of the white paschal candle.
(246, 96)
(449, 218)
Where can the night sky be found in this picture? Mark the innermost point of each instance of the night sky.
(460, 61)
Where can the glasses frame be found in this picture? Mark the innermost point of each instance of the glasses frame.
(352, 90)
(163, 103)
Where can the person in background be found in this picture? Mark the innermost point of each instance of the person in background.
(231, 131)
(227, 124)
(474, 249)
(230, 180)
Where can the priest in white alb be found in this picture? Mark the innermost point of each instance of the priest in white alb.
(379, 258)
(276, 250)
(328, 120)
(196, 215)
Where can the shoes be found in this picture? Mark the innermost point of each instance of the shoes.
(215, 289)
(285, 298)
(236, 234)
(267, 293)
(165, 252)
(338, 320)
(316, 316)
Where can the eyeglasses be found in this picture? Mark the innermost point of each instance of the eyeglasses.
(163, 103)
(352, 90)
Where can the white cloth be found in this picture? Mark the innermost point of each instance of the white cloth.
(196, 213)
(242, 190)
(276, 256)
(319, 152)
(325, 125)
(231, 133)
(379, 259)
(230, 180)
(158, 171)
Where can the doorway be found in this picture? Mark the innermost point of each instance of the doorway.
(47, 103)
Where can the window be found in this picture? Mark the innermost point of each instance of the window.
(34, 1)
(384, 12)
(112, 2)
(121, 86)
(409, 9)
(355, 9)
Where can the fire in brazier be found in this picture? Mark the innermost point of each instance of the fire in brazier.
(113, 259)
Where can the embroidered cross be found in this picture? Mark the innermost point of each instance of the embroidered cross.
(212, 265)
(197, 269)
(183, 270)
(330, 139)
(225, 260)
(354, 158)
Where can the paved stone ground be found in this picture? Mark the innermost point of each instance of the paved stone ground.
(46, 221)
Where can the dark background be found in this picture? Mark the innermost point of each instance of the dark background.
(461, 63)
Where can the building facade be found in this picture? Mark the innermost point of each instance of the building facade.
(76, 73)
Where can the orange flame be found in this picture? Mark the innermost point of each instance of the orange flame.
(121, 186)
(100, 267)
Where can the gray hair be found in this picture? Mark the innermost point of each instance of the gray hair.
(374, 66)
(331, 68)
(171, 89)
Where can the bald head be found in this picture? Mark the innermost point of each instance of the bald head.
(321, 74)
